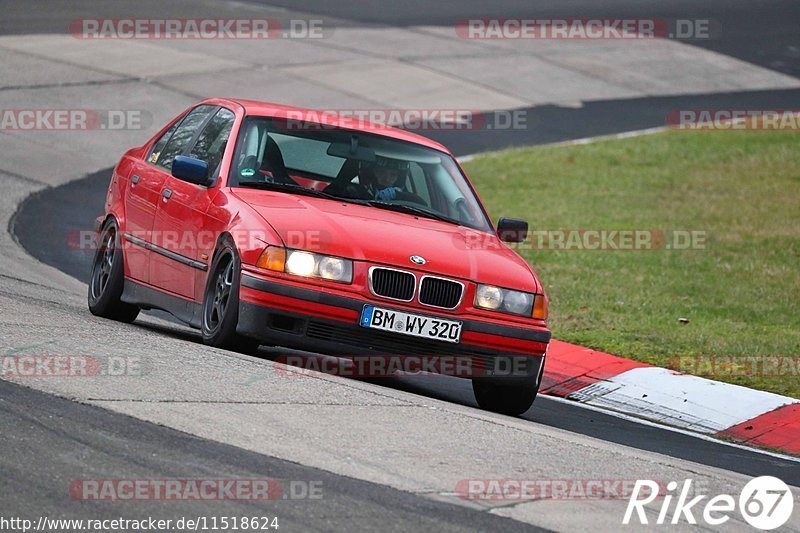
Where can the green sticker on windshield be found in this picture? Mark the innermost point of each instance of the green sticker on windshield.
(247, 172)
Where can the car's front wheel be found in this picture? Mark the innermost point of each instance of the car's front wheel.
(221, 303)
(108, 278)
(503, 398)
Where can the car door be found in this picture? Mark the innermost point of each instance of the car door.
(182, 228)
(142, 194)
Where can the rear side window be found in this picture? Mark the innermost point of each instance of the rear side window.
(211, 143)
(185, 133)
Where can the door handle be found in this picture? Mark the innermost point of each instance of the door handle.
(134, 180)
(166, 194)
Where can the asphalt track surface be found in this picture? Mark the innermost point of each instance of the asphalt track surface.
(764, 33)
(91, 441)
(33, 424)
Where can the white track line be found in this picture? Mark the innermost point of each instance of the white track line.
(701, 436)
(585, 140)
(680, 400)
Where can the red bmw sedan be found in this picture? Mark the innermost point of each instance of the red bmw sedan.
(261, 224)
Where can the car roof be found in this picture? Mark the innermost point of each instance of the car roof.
(329, 118)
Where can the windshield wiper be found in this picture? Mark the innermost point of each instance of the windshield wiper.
(401, 208)
(287, 187)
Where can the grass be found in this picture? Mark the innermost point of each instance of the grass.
(740, 294)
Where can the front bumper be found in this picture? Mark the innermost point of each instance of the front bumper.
(319, 321)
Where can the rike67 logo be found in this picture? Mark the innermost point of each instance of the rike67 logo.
(765, 503)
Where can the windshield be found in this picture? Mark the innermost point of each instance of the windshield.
(354, 166)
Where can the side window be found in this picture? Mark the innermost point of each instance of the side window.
(155, 151)
(211, 143)
(183, 135)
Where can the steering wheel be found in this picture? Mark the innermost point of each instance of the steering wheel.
(410, 197)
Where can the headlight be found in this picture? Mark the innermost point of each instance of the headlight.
(489, 297)
(333, 268)
(307, 264)
(301, 263)
(505, 300)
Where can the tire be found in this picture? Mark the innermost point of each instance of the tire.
(221, 303)
(108, 278)
(505, 399)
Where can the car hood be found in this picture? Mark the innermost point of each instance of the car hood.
(385, 237)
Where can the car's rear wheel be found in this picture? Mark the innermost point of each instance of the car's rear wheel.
(108, 279)
(503, 398)
(221, 303)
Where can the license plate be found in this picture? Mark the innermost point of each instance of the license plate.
(410, 324)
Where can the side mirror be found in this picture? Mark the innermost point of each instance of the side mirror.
(190, 169)
(512, 230)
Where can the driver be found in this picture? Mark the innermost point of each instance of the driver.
(384, 178)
